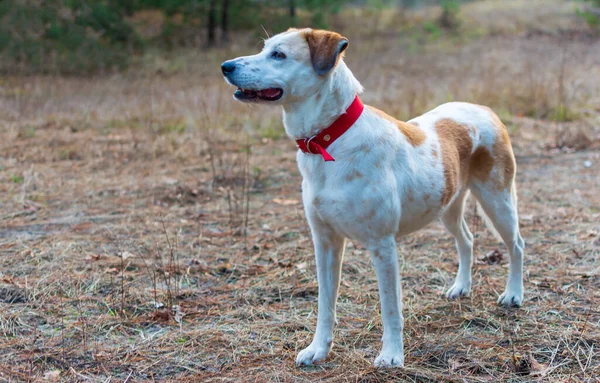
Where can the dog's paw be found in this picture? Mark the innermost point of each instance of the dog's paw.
(458, 290)
(389, 360)
(511, 298)
(311, 355)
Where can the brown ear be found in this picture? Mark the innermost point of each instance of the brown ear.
(325, 49)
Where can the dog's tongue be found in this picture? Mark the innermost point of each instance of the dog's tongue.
(268, 93)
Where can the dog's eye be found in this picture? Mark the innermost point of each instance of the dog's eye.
(278, 55)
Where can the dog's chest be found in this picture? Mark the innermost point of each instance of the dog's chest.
(355, 201)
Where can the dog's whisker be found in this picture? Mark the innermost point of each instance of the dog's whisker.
(266, 33)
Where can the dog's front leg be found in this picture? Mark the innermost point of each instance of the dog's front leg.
(385, 259)
(329, 252)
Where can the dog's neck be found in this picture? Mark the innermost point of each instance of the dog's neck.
(307, 117)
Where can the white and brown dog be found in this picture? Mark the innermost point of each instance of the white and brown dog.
(369, 177)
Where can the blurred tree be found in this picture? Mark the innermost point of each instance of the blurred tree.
(591, 14)
(225, 20)
(292, 5)
(321, 9)
(211, 25)
(65, 35)
(84, 35)
(449, 17)
(128, 6)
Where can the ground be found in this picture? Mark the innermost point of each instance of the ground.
(151, 229)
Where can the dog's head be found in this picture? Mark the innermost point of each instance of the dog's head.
(293, 65)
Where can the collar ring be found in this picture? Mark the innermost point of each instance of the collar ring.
(307, 143)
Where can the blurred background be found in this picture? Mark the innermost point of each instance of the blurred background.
(151, 227)
(522, 56)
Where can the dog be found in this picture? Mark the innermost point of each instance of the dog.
(369, 177)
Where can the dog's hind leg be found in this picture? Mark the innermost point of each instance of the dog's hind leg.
(501, 207)
(385, 259)
(454, 221)
(329, 253)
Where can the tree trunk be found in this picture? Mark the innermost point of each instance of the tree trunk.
(293, 11)
(225, 20)
(212, 22)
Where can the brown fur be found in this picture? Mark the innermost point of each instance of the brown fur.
(325, 49)
(371, 214)
(355, 174)
(503, 155)
(459, 164)
(481, 164)
(413, 134)
(456, 145)
(317, 202)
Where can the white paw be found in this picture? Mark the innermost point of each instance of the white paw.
(458, 290)
(511, 298)
(389, 360)
(312, 354)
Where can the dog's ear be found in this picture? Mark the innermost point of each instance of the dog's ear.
(325, 49)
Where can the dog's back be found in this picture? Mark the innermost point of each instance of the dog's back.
(474, 146)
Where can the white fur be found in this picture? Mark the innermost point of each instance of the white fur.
(378, 187)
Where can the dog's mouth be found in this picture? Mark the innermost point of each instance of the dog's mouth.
(269, 94)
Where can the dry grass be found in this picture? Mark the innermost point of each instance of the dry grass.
(151, 230)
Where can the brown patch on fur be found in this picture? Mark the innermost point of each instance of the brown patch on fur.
(413, 134)
(409, 195)
(317, 202)
(505, 158)
(426, 197)
(325, 49)
(355, 174)
(503, 155)
(456, 145)
(377, 254)
(427, 212)
(371, 214)
(434, 153)
(481, 164)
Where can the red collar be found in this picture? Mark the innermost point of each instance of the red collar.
(319, 142)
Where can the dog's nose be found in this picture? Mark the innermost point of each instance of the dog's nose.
(227, 67)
